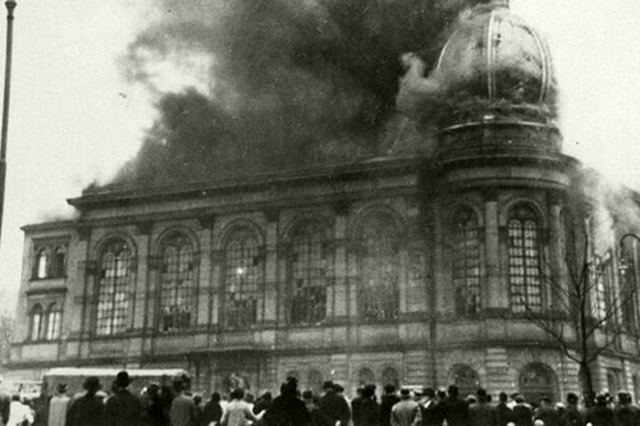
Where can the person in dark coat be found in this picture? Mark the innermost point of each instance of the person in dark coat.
(600, 414)
(5, 403)
(522, 412)
(89, 408)
(355, 406)
(334, 405)
(503, 412)
(212, 411)
(318, 417)
(368, 409)
(455, 410)
(153, 413)
(547, 413)
(389, 399)
(287, 409)
(430, 408)
(625, 413)
(123, 408)
(183, 410)
(481, 413)
(263, 403)
(572, 415)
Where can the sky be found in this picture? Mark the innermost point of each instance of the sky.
(74, 117)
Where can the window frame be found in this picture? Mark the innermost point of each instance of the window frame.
(176, 305)
(244, 263)
(309, 242)
(117, 322)
(525, 252)
(466, 260)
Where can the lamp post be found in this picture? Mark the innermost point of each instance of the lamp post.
(11, 5)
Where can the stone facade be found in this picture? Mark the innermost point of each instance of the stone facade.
(411, 270)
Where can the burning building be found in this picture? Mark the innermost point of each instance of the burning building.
(442, 253)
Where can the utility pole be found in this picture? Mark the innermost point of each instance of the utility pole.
(11, 5)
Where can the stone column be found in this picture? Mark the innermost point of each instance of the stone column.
(558, 284)
(204, 268)
(139, 300)
(442, 291)
(270, 313)
(338, 294)
(496, 295)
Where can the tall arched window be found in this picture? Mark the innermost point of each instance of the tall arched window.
(465, 378)
(524, 260)
(114, 285)
(466, 262)
(243, 276)
(37, 321)
(538, 380)
(42, 263)
(390, 376)
(308, 268)
(379, 268)
(176, 286)
(54, 317)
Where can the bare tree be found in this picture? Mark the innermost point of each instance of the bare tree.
(584, 316)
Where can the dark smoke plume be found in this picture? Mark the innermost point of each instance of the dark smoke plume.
(291, 82)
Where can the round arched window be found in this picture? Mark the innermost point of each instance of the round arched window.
(538, 380)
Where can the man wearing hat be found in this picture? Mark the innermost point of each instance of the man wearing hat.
(123, 408)
(89, 408)
(334, 405)
(58, 406)
(430, 408)
(406, 412)
(480, 412)
(600, 414)
(455, 410)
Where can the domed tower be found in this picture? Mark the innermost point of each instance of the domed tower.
(499, 87)
(494, 192)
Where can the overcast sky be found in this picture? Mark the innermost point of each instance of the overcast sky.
(74, 119)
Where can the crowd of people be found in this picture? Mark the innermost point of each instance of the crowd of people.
(175, 406)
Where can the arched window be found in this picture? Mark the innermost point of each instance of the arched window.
(524, 260)
(315, 382)
(176, 286)
(54, 317)
(537, 380)
(308, 268)
(390, 376)
(42, 263)
(36, 323)
(379, 268)
(366, 377)
(58, 262)
(243, 275)
(465, 378)
(613, 380)
(114, 285)
(465, 265)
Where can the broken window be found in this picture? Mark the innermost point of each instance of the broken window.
(308, 276)
(243, 274)
(176, 287)
(465, 267)
(524, 260)
(379, 261)
(114, 285)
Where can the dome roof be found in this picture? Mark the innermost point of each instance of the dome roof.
(495, 55)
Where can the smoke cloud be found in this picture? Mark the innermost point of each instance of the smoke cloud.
(255, 85)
